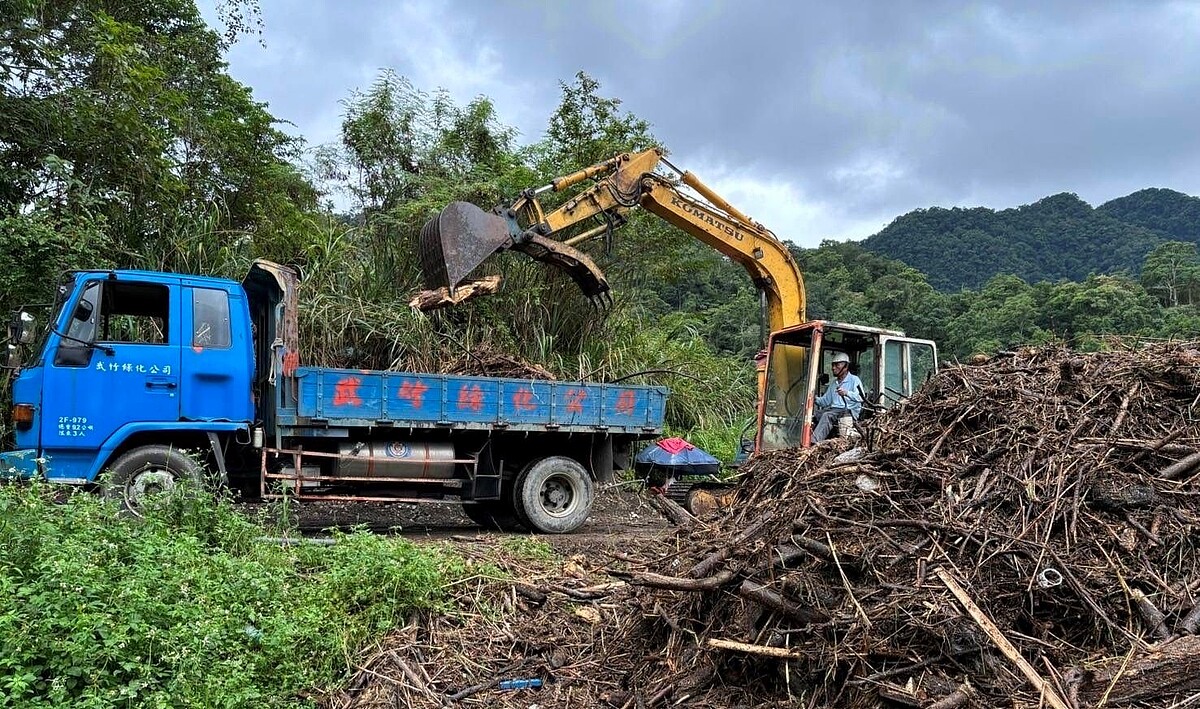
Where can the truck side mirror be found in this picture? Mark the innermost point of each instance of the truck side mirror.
(24, 326)
(83, 311)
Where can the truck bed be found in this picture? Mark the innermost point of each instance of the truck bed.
(321, 397)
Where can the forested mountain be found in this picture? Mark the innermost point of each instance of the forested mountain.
(1058, 237)
(1168, 212)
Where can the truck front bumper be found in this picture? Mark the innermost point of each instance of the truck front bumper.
(19, 464)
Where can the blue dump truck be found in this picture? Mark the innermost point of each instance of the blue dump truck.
(143, 379)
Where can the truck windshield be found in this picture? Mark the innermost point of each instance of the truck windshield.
(787, 393)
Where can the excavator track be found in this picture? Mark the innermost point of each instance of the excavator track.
(701, 497)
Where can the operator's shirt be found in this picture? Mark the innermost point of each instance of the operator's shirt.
(852, 401)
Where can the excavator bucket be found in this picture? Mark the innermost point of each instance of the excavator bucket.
(463, 236)
(456, 241)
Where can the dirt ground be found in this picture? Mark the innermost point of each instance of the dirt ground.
(620, 513)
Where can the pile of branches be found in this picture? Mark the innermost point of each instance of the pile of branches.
(489, 362)
(525, 631)
(1024, 532)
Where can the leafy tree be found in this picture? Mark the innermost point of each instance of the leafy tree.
(1101, 305)
(36, 244)
(587, 128)
(1180, 323)
(121, 116)
(1003, 315)
(401, 145)
(1172, 271)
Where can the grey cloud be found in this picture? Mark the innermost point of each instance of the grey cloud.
(948, 102)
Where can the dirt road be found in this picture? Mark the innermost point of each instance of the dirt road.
(619, 515)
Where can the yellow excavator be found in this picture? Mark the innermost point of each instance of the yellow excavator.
(798, 352)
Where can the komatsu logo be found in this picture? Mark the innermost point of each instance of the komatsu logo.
(704, 216)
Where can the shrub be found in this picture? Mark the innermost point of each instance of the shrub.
(186, 608)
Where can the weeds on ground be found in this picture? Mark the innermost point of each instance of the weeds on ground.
(528, 548)
(188, 608)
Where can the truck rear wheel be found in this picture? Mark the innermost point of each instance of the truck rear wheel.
(144, 472)
(554, 494)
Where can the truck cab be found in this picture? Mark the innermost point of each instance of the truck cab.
(129, 359)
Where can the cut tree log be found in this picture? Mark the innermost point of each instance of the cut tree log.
(427, 300)
(774, 601)
(1180, 468)
(782, 653)
(675, 583)
(672, 510)
(957, 698)
(1153, 617)
(709, 563)
(1191, 621)
(1169, 670)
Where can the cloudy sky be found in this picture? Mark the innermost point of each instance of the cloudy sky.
(819, 119)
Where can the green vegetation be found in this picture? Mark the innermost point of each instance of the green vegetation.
(187, 608)
(125, 143)
(529, 548)
(1172, 214)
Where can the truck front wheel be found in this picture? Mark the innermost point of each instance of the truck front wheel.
(144, 472)
(554, 494)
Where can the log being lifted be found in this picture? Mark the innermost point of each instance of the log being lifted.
(1169, 670)
(442, 297)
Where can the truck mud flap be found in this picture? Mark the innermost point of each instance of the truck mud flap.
(487, 479)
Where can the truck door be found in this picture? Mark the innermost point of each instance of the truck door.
(218, 361)
(118, 364)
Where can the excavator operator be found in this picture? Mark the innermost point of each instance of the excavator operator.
(843, 397)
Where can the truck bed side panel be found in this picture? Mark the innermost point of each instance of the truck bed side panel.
(341, 397)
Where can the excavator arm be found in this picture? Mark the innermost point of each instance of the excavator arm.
(463, 236)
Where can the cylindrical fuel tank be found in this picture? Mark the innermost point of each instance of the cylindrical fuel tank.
(398, 459)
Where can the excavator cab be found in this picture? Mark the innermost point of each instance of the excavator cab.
(890, 365)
